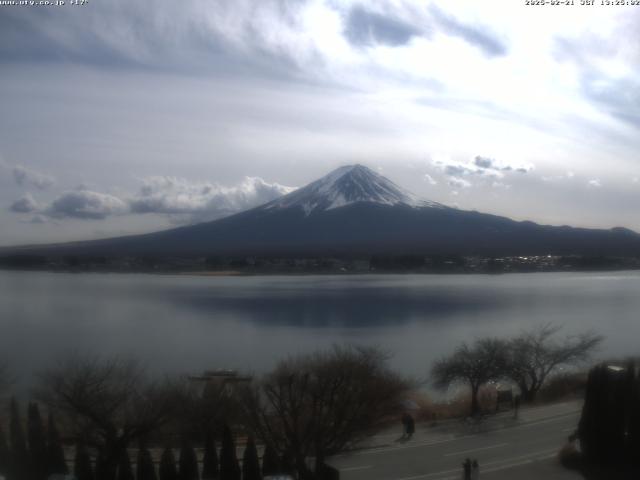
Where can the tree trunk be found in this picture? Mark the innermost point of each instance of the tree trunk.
(303, 471)
(475, 406)
(529, 396)
(106, 469)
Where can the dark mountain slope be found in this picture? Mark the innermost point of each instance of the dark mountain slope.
(356, 211)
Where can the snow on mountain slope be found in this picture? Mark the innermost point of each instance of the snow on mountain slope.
(347, 185)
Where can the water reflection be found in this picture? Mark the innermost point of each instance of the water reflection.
(186, 324)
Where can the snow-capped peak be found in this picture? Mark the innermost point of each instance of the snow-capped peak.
(347, 185)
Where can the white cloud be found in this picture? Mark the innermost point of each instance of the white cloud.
(204, 201)
(457, 182)
(429, 179)
(27, 177)
(184, 201)
(595, 183)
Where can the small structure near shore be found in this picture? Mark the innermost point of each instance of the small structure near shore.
(220, 381)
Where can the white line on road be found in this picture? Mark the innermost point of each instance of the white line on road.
(353, 469)
(462, 452)
(514, 462)
(506, 466)
(376, 450)
(381, 449)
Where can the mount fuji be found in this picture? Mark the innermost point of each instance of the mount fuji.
(355, 211)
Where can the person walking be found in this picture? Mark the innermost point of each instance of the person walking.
(405, 425)
(475, 470)
(411, 426)
(516, 406)
(466, 470)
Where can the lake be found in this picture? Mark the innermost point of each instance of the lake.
(185, 324)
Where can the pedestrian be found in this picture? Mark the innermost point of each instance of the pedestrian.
(405, 425)
(466, 470)
(411, 426)
(475, 470)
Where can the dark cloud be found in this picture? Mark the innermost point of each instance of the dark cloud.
(477, 35)
(457, 170)
(487, 163)
(480, 166)
(86, 204)
(190, 37)
(483, 162)
(364, 28)
(619, 97)
(25, 204)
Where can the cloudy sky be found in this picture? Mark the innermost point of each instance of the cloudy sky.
(119, 117)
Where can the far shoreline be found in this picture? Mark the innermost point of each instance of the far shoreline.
(240, 273)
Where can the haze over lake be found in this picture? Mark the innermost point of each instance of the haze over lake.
(179, 323)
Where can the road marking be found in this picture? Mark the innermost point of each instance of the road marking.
(385, 449)
(525, 456)
(353, 469)
(506, 466)
(427, 475)
(376, 450)
(515, 462)
(462, 452)
(540, 422)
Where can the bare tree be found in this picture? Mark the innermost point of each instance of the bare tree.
(319, 404)
(474, 365)
(537, 353)
(202, 409)
(6, 379)
(109, 403)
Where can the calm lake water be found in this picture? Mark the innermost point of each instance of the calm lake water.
(189, 323)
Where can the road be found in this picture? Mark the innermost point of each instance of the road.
(505, 448)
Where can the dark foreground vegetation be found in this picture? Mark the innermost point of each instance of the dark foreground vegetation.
(609, 428)
(116, 423)
(321, 264)
(103, 419)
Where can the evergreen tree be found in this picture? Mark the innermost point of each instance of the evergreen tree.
(19, 455)
(270, 461)
(229, 468)
(287, 464)
(210, 469)
(628, 408)
(82, 464)
(125, 472)
(188, 462)
(610, 416)
(634, 423)
(145, 468)
(168, 469)
(587, 427)
(103, 469)
(250, 462)
(37, 442)
(56, 462)
(4, 453)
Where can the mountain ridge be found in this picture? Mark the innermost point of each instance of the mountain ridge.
(356, 211)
